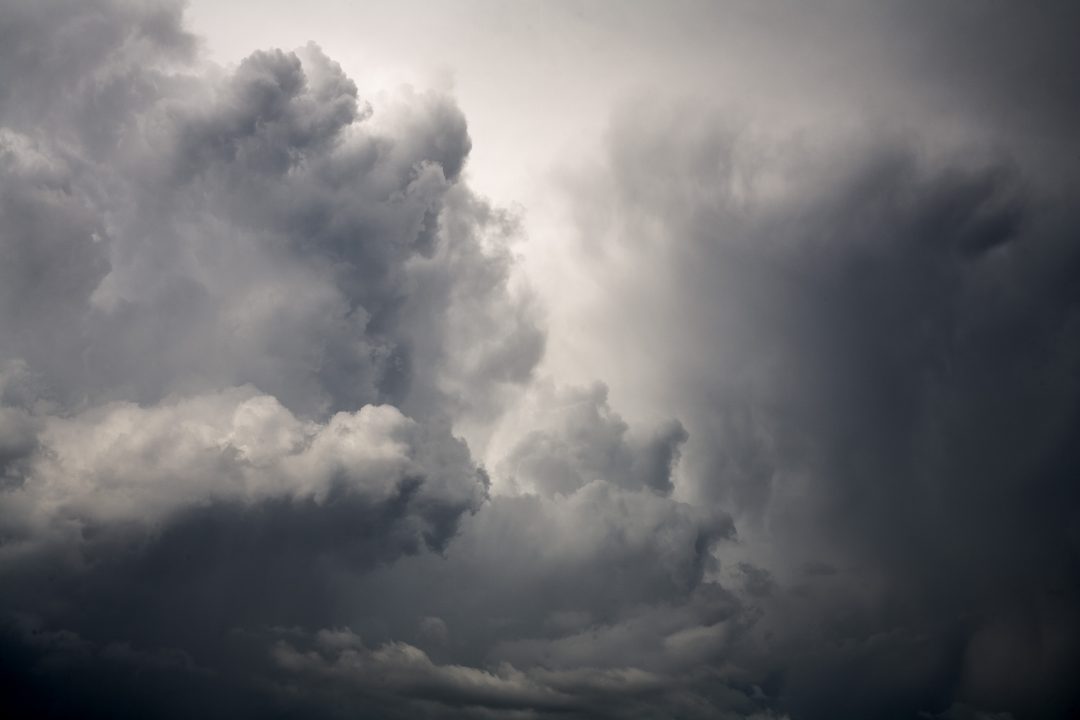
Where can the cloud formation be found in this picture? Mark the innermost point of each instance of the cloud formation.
(257, 332)
(223, 289)
(875, 346)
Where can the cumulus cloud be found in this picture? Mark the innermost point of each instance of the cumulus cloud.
(233, 312)
(564, 439)
(243, 312)
(123, 463)
(256, 331)
(255, 225)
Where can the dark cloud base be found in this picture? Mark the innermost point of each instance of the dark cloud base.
(242, 314)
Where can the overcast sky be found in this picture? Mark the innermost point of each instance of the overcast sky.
(510, 360)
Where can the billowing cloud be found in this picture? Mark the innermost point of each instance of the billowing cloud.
(871, 349)
(253, 226)
(233, 308)
(789, 436)
(121, 463)
(566, 439)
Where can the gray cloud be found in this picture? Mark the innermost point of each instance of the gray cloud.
(245, 316)
(249, 226)
(872, 349)
(340, 657)
(211, 280)
(121, 463)
(575, 439)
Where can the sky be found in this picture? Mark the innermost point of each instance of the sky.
(524, 360)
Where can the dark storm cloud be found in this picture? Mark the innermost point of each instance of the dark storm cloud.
(210, 279)
(242, 313)
(877, 357)
(1010, 65)
(590, 598)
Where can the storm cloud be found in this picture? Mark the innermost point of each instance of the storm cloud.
(293, 423)
(874, 356)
